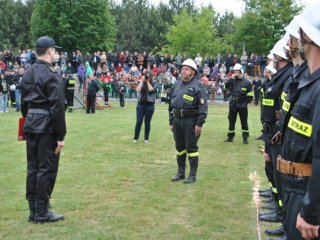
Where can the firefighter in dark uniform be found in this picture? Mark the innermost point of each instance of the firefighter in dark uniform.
(70, 85)
(42, 95)
(188, 110)
(300, 154)
(270, 113)
(299, 71)
(241, 94)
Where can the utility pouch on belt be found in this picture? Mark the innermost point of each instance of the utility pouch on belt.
(37, 121)
(294, 168)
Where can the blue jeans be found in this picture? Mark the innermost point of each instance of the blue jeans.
(3, 102)
(17, 94)
(144, 111)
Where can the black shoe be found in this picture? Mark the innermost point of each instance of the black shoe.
(266, 194)
(190, 179)
(48, 217)
(275, 232)
(245, 141)
(272, 217)
(265, 190)
(229, 140)
(270, 206)
(267, 213)
(268, 200)
(177, 177)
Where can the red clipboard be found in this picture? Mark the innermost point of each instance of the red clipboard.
(21, 136)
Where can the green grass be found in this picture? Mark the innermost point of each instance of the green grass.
(110, 188)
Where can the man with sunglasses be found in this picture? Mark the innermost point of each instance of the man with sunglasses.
(42, 95)
(299, 163)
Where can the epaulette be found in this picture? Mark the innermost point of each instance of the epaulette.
(52, 70)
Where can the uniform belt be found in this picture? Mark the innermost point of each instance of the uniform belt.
(294, 168)
(38, 110)
(236, 99)
(184, 113)
(71, 88)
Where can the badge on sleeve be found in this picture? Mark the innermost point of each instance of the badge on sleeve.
(202, 101)
(191, 89)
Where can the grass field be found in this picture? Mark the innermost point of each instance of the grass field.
(110, 188)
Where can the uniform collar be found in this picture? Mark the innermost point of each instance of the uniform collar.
(309, 79)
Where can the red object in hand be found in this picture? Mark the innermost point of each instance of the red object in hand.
(21, 136)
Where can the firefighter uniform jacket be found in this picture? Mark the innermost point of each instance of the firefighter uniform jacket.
(298, 73)
(240, 91)
(42, 88)
(70, 83)
(271, 102)
(301, 141)
(189, 96)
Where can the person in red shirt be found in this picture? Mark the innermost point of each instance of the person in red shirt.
(119, 68)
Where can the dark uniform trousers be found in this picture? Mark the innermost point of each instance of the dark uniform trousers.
(294, 191)
(234, 109)
(42, 165)
(70, 97)
(91, 102)
(186, 141)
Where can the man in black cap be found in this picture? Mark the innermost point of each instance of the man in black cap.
(42, 98)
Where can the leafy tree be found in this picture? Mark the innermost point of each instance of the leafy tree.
(264, 23)
(15, 24)
(75, 24)
(194, 34)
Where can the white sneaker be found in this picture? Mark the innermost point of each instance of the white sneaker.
(6, 111)
(146, 141)
(135, 141)
(1, 111)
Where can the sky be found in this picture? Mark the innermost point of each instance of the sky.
(236, 6)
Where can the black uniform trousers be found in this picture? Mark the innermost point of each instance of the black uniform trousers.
(91, 102)
(274, 150)
(42, 167)
(121, 97)
(294, 189)
(234, 109)
(184, 134)
(70, 97)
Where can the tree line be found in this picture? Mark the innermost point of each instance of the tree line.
(135, 25)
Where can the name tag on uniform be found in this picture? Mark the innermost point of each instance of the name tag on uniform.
(187, 97)
(286, 106)
(300, 127)
(268, 102)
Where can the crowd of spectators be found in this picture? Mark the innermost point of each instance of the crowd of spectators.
(126, 68)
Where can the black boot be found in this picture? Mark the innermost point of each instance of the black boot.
(43, 215)
(276, 232)
(181, 161)
(193, 161)
(32, 209)
(245, 140)
(274, 216)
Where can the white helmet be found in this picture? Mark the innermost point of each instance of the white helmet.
(279, 47)
(293, 28)
(271, 68)
(190, 63)
(270, 56)
(238, 67)
(309, 22)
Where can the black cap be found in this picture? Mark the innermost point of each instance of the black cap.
(46, 42)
